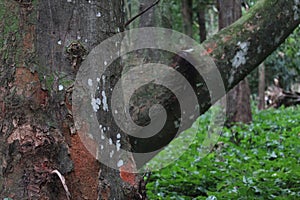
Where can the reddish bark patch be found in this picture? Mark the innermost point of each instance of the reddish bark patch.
(29, 86)
(210, 48)
(126, 175)
(84, 179)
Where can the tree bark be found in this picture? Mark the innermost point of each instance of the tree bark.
(236, 51)
(261, 87)
(37, 130)
(238, 99)
(187, 14)
(202, 21)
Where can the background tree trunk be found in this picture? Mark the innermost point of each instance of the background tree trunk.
(202, 21)
(238, 99)
(187, 14)
(261, 86)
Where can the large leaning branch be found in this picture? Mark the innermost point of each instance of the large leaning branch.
(252, 38)
(236, 51)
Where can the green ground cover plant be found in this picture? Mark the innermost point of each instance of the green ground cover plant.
(256, 161)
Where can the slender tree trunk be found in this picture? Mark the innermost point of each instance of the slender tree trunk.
(202, 21)
(261, 87)
(238, 99)
(187, 14)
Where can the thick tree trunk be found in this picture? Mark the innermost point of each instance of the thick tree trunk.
(238, 99)
(187, 14)
(32, 145)
(261, 87)
(37, 131)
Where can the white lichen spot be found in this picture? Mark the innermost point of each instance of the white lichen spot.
(230, 80)
(240, 56)
(98, 14)
(110, 141)
(78, 37)
(116, 112)
(188, 50)
(105, 63)
(118, 136)
(296, 9)
(104, 101)
(60, 87)
(90, 1)
(101, 147)
(102, 136)
(176, 124)
(95, 104)
(118, 145)
(118, 30)
(85, 40)
(111, 153)
(98, 80)
(90, 82)
(69, 1)
(59, 42)
(259, 49)
(104, 129)
(120, 163)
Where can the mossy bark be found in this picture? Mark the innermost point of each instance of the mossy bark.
(262, 29)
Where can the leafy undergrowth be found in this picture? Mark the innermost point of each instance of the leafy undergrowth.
(264, 165)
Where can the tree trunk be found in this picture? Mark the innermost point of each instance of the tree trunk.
(261, 87)
(202, 21)
(37, 129)
(187, 14)
(238, 99)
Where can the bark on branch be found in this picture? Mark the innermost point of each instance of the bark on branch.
(236, 51)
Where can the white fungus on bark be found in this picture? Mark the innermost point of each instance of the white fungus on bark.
(120, 163)
(98, 14)
(60, 87)
(90, 82)
(118, 145)
(104, 101)
(240, 56)
(96, 102)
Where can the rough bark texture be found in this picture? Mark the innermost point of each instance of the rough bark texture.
(45, 43)
(148, 18)
(32, 146)
(187, 14)
(238, 99)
